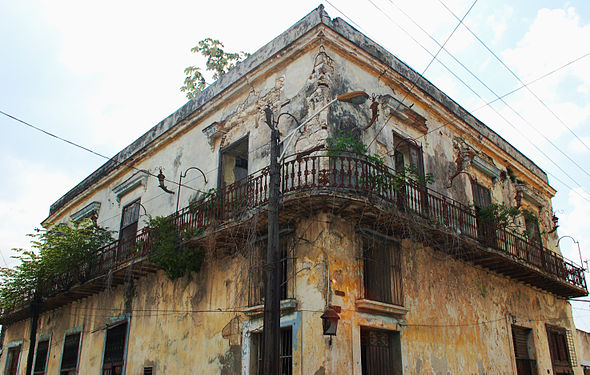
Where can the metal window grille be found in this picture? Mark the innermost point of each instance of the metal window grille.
(285, 352)
(380, 352)
(114, 352)
(382, 270)
(69, 358)
(41, 357)
(148, 371)
(257, 269)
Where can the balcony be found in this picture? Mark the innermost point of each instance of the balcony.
(351, 187)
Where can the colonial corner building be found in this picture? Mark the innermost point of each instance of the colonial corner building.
(383, 271)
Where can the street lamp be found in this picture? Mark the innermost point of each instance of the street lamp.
(272, 300)
(577, 243)
(183, 175)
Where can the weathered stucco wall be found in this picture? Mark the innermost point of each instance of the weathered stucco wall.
(458, 318)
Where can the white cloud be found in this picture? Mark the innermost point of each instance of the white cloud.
(498, 21)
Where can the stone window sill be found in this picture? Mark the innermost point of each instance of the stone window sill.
(381, 308)
(258, 310)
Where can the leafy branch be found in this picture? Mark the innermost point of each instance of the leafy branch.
(218, 61)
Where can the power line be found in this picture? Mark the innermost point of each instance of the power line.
(418, 76)
(479, 96)
(88, 149)
(517, 77)
(499, 98)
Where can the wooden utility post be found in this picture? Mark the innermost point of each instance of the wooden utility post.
(272, 297)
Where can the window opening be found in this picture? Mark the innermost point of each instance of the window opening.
(41, 357)
(69, 357)
(257, 269)
(482, 197)
(559, 351)
(382, 270)
(285, 352)
(533, 231)
(148, 370)
(128, 231)
(12, 358)
(524, 351)
(408, 155)
(234, 163)
(380, 352)
(114, 351)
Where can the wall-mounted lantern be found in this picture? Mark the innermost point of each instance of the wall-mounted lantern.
(330, 319)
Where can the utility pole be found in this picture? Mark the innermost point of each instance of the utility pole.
(272, 299)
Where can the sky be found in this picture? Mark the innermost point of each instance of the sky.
(102, 73)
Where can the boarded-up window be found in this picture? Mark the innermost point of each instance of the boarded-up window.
(285, 352)
(128, 231)
(12, 358)
(559, 350)
(382, 270)
(69, 357)
(41, 357)
(486, 231)
(524, 351)
(114, 350)
(380, 352)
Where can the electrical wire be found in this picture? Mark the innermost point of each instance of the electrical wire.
(515, 76)
(418, 76)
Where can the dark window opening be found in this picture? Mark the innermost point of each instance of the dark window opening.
(12, 358)
(114, 351)
(380, 352)
(257, 269)
(41, 357)
(382, 270)
(524, 351)
(407, 156)
(532, 230)
(69, 357)
(234, 163)
(559, 350)
(128, 231)
(148, 371)
(285, 352)
(486, 230)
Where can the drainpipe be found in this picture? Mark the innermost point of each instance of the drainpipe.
(35, 304)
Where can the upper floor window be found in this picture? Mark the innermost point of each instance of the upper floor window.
(114, 350)
(407, 154)
(382, 277)
(129, 222)
(69, 357)
(233, 163)
(41, 357)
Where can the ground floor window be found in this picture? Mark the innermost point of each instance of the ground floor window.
(41, 357)
(380, 352)
(69, 357)
(524, 351)
(12, 358)
(114, 351)
(561, 353)
(285, 350)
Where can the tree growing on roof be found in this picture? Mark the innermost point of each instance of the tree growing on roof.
(218, 61)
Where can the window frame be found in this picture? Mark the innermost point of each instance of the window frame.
(70, 332)
(527, 359)
(256, 347)
(221, 184)
(560, 366)
(395, 350)
(116, 323)
(392, 249)
(10, 348)
(40, 339)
